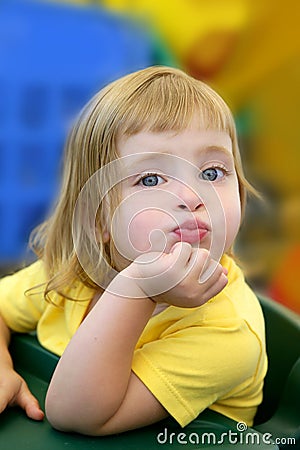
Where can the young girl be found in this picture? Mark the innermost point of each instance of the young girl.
(135, 286)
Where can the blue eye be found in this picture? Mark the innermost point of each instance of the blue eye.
(151, 180)
(212, 173)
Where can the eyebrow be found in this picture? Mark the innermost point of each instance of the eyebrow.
(217, 149)
(152, 156)
(142, 159)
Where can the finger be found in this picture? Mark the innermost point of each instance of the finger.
(34, 411)
(3, 402)
(215, 289)
(211, 271)
(198, 261)
(211, 274)
(29, 403)
(182, 252)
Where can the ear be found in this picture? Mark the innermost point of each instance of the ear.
(105, 236)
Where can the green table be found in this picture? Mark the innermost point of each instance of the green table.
(36, 365)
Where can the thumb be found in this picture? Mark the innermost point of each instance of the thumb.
(182, 250)
(29, 403)
(209, 268)
(3, 402)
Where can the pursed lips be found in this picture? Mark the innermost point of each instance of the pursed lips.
(192, 231)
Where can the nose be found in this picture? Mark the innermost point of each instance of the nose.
(188, 199)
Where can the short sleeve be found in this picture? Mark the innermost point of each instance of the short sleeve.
(22, 298)
(189, 370)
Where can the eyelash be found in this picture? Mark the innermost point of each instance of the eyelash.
(149, 174)
(218, 166)
(155, 174)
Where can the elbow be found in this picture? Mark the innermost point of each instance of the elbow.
(61, 415)
(56, 413)
(71, 419)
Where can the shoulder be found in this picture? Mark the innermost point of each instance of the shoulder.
(20, 310)
(30, 276)
(242, 299)
(15, 288)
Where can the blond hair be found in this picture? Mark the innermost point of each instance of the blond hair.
(155, 99)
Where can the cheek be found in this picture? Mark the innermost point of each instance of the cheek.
(223, 209)
(138, 232)
(145, 231)
(232, 210)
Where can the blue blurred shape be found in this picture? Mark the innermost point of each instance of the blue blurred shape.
(53, 58)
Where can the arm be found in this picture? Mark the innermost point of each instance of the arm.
(13, 389)
(93, 390)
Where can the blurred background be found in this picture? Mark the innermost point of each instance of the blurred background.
(55, 55)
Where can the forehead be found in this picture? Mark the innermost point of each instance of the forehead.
(190, 143)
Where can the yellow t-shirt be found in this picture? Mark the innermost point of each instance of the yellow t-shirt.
(190, 359)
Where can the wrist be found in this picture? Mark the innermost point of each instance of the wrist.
(127, 286)
(5, 359)
(123, 297)
(6, 363)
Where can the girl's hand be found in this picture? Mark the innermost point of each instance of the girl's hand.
(14, 392)
(185, 277)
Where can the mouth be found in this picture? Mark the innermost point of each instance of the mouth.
(192, 231)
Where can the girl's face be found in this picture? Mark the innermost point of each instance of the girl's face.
(176, 187)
